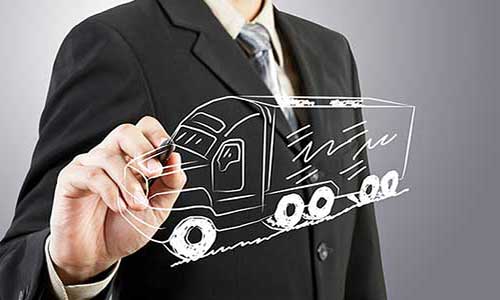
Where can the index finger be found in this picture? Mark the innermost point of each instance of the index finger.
(153, 130)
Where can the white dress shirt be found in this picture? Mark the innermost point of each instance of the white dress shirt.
(232, 21)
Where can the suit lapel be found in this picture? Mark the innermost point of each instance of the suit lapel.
(214, 47)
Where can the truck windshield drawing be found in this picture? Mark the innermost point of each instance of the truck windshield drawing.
(194, 140)
(224, 194)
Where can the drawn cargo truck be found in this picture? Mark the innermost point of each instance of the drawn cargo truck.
(217, 147)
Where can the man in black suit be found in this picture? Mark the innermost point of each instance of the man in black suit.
(121, 81)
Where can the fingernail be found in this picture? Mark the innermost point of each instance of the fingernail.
(141, 198)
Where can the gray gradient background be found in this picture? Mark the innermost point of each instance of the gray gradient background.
(441, 240)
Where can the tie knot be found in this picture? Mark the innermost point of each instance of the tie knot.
(254, 38)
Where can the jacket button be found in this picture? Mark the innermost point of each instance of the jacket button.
(323, 251)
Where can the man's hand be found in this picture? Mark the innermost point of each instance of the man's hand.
(88, 233)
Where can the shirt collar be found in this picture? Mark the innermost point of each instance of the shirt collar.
(233, 21)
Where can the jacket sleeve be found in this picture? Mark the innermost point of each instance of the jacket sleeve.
(365, 276)
(97, 83)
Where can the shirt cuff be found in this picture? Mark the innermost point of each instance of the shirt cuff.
(77, 291)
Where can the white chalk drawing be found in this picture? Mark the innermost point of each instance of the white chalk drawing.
(220, 146)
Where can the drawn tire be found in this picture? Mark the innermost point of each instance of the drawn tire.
(183, 247)
(282, 217)
(372, 183)
(389, 183)
(314, 209)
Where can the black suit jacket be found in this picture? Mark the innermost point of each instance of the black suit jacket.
(164, 58)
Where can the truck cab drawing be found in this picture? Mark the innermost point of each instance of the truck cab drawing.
(225, 195)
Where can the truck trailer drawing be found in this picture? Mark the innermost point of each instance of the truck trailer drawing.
(224, 196)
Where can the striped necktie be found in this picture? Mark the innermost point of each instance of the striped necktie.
(255, 40)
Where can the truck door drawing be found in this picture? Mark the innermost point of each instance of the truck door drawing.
(216, 149)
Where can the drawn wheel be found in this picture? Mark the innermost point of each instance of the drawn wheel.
(389, 183)
(181, 242)
(285, 218)
(369, 189)
(321, 203)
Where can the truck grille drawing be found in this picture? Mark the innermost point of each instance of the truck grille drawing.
(326, 177)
